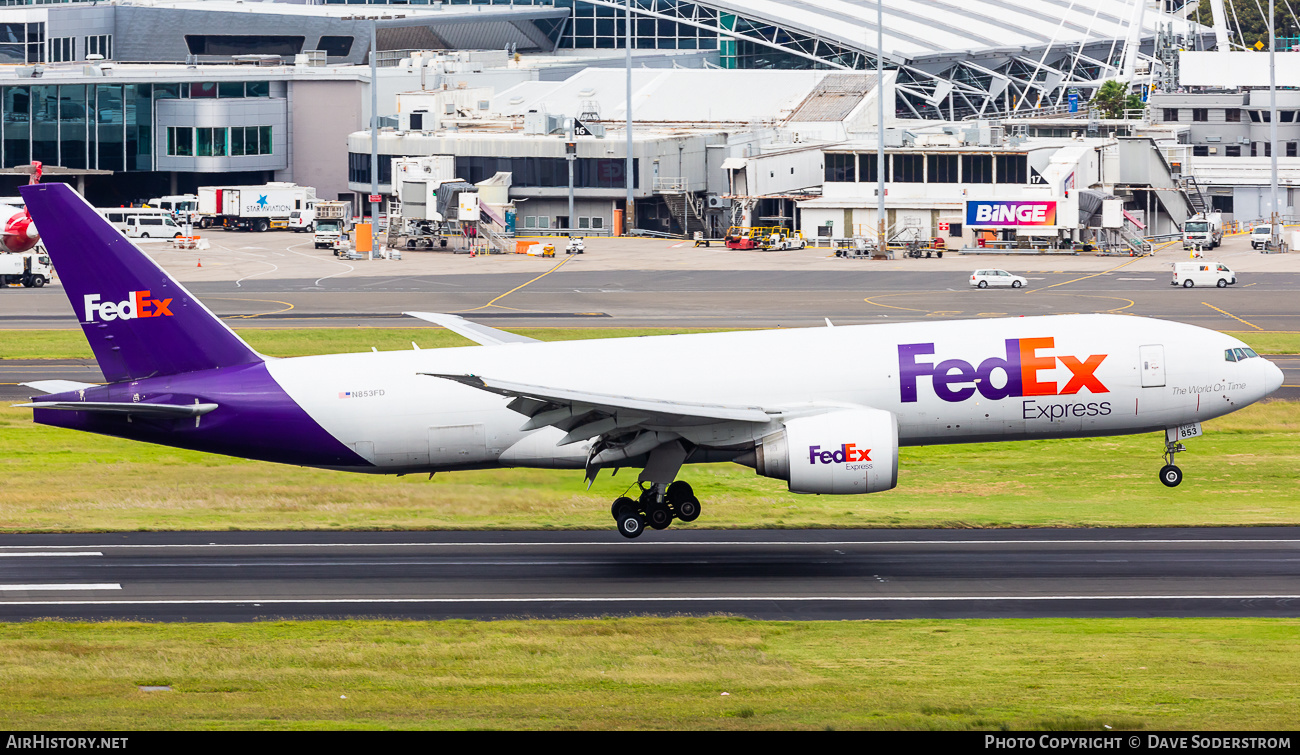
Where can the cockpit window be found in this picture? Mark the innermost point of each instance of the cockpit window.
(1250, 352)
(1238, 355)
(1230, 355)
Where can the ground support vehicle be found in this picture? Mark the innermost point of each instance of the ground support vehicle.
(1203, 230)
(32, 269)
(152, 227)
(183, 207)
(1260, 235)
(767, 239)
(1202, 273)
(576, 245)
(330, 223)
(252, 208)
(918, 248)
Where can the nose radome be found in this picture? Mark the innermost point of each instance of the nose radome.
(1273, 378)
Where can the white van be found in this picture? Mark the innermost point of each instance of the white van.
(152, 227)
(120, 216)
(1202, 273)
(302, 220)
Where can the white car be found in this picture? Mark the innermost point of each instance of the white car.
(987, 278)
(1260, 236)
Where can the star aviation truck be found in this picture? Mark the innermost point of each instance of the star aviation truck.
(252, 208)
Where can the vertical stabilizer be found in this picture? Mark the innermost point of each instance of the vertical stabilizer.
(140, 322)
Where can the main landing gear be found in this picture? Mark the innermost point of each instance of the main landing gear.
(657, 506)
(1171, 475)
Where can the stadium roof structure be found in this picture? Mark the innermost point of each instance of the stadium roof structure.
(956, 58)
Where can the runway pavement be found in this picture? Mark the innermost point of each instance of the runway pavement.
(824, 574)
(706, 298)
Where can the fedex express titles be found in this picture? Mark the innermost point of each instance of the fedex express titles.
(956, 380)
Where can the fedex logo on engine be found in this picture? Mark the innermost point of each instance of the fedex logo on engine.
(957, 380)
(846, 453)
(137, 304)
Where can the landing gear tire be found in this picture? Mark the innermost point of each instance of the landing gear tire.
(620, 506)
(658, 516)
(1171, 475)
(631, 524)
(683, 501)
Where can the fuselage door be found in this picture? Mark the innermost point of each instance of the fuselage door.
(1152, 360)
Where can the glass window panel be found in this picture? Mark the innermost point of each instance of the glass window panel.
(109, 135)
(264, 141)
(230, 89)
(72, 126)
(17, 121)
(166, 91)
(203, 142)
(45, 124)
(203, 89)
(237, 141)
(259, 88)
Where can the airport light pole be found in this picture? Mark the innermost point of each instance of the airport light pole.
(1274, 230)
(570, 154)
(880, 127)
(627, 167)
(374, 141)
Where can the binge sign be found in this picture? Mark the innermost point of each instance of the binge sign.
(1010, 214)
(956, 380)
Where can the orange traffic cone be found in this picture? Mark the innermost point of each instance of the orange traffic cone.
(200, 263)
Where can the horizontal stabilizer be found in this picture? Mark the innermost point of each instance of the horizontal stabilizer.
(57, 386)
(161, 411)
(480, 334)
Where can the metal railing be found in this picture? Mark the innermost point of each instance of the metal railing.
(670, 184)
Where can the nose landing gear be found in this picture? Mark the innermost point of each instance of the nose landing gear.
(657, 506)
(1170, 474)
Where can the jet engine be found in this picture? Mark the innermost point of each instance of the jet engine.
(19, 232)
(840, 452)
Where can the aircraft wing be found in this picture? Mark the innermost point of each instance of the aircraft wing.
(475, 332)
(57, 386)
(159, 411)
(582, 415)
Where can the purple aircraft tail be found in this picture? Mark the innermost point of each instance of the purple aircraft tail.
(140, 322)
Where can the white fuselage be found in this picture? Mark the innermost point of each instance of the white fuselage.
(947, 382)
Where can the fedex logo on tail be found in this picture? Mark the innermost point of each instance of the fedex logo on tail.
(956, 380)
(137, 304)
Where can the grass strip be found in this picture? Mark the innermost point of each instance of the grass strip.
(655, 673)
(1242, 472)
(290, 342)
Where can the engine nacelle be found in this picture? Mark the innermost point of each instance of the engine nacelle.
(19, 231)
(840, 452)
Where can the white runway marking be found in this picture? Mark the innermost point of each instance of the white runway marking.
(664, 543)
(642, 599)
(51, 553)
(63, 586)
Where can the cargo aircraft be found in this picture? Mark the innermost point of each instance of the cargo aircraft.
(825, 409)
